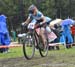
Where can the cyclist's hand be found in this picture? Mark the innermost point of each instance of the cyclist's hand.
(24, 27)
(41, 23)
(23, 24)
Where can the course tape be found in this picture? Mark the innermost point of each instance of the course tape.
(11, 46)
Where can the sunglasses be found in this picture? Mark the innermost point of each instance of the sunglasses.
(31, 12)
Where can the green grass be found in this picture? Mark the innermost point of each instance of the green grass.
(13, 52)
(17, 52)
(62, 58)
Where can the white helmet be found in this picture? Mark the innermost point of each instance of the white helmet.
(31, 8)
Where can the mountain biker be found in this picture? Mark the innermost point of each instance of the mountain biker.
(38, 17)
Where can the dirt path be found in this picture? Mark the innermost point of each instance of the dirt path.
(49, 61)
(22, 62)
(52, 60)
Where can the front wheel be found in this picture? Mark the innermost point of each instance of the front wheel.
(29, 46)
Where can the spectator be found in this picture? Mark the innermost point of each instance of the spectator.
(67, 32)
(4, 34)
(57, 29)
(73, 32)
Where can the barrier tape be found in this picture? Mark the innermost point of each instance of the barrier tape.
(11, 46)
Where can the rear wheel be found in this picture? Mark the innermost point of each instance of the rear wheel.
(29, 46)
(43, 50)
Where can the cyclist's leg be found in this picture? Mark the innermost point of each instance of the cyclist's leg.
(42, 34)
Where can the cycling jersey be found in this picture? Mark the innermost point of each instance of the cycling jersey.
(38, 17)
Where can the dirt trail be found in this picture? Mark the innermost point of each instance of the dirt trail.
(52, 60)
(49, 61)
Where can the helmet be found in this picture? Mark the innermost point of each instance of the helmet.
(31, 9)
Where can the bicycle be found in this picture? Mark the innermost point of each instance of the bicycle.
(32, 40)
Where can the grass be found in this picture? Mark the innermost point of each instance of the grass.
(17, 52)
(13, 53)
(56, 58)
(65, 57)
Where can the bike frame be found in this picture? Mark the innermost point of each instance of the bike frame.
(37, 40)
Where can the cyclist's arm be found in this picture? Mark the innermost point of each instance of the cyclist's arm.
(43, 18)
(27, 21)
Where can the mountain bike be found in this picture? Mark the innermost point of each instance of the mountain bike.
(33, 40)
